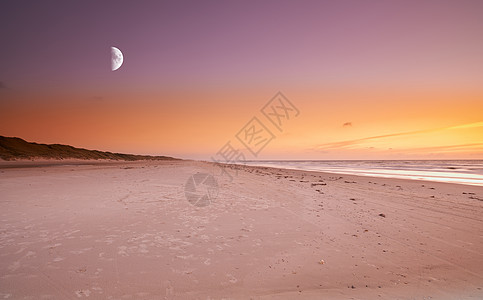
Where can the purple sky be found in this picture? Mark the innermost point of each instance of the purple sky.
(50, 43)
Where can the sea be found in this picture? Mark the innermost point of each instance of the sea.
(469, 172)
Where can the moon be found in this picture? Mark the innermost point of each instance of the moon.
(116, 58)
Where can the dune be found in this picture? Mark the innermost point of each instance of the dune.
(14, 148)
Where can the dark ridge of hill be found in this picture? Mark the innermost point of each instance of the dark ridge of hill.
(12, 148)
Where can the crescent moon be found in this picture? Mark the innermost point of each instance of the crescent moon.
(116, 58)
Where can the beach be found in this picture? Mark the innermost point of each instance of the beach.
(126, 230)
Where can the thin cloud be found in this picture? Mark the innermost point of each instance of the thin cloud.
(349, 143)
(470, 125)
(347, 124)
(344, 144)
(2, 85)
(449, 148)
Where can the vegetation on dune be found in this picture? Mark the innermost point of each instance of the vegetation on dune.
(12, 148)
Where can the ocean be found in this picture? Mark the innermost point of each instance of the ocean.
(468, 172)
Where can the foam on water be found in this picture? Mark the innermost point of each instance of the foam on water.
(468, 172)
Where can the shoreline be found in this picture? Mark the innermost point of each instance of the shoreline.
(35, 163)
(436, 173)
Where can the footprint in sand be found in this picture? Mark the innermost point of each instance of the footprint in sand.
(185, 256)
(232, 278)
(169, 289)
(122, 251)
(14, 266)
(82, 293)
(30, 254)
(20, 250)
(143, 248)
(52, 246)
(80, 251)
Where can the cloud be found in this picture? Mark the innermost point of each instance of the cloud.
(2, 85)
(345, 144)
(356, 142)
(347, 124)
(449, 148)
(471, 125)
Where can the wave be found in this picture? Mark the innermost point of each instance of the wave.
(468, 172)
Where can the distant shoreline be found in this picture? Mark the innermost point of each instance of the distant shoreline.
(37, 163)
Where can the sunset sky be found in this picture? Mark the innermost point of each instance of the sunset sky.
(370, 79)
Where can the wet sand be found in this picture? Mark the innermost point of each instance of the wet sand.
(127, 231)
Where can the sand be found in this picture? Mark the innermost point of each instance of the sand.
(126, 231)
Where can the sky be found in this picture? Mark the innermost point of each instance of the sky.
(364, 79)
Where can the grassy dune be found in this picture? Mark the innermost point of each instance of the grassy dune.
(12, 148)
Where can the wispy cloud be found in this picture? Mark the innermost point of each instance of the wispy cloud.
(347, 124)
(357, 142)
(448, 148)
(345, 144)
(470, 125)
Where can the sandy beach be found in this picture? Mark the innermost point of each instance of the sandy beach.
(125, 230)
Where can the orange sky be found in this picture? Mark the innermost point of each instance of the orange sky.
(383, 123)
